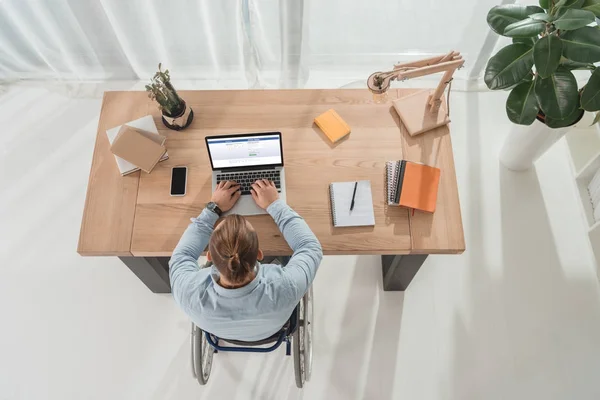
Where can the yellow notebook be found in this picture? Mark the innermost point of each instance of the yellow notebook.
(332, 125)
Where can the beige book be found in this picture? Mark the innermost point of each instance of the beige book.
(140, 148)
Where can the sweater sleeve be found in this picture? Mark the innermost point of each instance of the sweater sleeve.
(303, 265)
(183, 266)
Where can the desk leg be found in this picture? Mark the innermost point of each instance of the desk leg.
(152, 271)
(399, 270)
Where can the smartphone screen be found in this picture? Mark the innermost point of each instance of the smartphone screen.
(178, 181)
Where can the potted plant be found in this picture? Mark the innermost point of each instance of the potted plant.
(549, 42)
(175, 113)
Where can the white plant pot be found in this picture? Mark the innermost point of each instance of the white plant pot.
(525, 144)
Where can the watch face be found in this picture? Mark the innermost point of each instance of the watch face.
(213, 207)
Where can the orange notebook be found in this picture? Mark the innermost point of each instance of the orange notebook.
(412, 185)
(334, 127)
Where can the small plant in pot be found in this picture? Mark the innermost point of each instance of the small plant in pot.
(175, 112)
(548, 43)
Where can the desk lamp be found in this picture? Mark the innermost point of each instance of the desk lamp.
(426, 109)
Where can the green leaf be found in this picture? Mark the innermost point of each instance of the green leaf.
(574, 19)
(568, 121)
(528, 41)
(545, 4)
(528, 78)
(509, 66)
(590, 98)
(546, 55)
(499, 17)
(557, 94)
(572, 65)
(541, 17)
(522, 105)
(559, 12)
(569, 3)
(593, 6)
(582, 45)
(525, 28)
(597, 119)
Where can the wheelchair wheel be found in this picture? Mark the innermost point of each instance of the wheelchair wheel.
(302, 339)
(202, 355)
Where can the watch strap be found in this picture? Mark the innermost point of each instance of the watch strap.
(212, 206)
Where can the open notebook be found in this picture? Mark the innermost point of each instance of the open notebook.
(341, 197)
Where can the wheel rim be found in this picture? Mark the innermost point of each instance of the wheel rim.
(207, 356)
(302, 341)
(308, 321)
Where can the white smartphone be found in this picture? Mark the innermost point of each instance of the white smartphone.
(178, 181)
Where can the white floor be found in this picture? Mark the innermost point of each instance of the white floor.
(517, 316)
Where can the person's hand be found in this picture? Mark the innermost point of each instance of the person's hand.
(264, 193)
(226, 195)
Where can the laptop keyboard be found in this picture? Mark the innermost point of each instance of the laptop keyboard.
(245, 179)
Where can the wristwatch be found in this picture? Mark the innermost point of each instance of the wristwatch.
(212, 206)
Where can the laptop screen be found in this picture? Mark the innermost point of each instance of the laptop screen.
(245, 151)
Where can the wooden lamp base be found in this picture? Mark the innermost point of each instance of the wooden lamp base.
(416, 114)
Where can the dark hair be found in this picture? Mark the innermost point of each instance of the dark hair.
(234, 248)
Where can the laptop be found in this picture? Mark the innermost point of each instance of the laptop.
(245, 158)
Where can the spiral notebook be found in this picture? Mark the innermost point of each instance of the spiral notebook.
(391, 168)
(341, 198)
(412, 185)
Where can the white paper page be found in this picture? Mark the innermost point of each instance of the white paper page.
(362, 214)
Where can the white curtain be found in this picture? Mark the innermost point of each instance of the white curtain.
(279, 43)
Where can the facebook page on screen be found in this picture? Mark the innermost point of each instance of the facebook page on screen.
(245, 151)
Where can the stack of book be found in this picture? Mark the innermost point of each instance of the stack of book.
(137, 145)
(594, 192)
(412, 185)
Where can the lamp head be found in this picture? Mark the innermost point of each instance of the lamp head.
(379, 82)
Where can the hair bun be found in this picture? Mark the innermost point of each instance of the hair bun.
(234, 262)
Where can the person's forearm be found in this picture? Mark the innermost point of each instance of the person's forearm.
(295, 230)
(302, 267)
(184, 261)
(195, 238)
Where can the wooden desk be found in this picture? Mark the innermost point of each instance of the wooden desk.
(135, 218)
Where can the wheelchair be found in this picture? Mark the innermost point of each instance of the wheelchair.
(297, 333)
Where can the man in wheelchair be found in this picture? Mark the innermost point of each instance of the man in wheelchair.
(239, 298)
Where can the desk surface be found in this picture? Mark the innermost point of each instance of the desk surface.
(135, 215)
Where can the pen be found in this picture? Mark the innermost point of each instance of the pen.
(353, 196)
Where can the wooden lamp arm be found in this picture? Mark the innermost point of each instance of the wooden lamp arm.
(430, 69)
(429, 61)
(449, 67)
(379, 82)
(436, 96)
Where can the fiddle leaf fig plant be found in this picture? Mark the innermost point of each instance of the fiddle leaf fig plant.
(548, 43)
